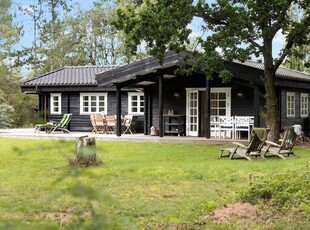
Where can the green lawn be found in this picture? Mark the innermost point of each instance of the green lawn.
(139, 185)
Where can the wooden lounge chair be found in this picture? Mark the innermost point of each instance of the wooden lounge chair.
(43, 127)
(284, 146)
(257, 141)
(62, 125)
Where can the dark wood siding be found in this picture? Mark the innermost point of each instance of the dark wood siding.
(240, 106)
(70, 103)
(297, 119)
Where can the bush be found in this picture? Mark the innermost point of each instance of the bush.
(287, 189)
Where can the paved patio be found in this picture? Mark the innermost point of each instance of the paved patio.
(29, 133)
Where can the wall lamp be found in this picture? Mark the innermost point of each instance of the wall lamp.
(240, 94)
(176, 94)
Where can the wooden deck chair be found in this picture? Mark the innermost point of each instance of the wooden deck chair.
(110, 124)
(43, 127)
(62, 125)
(284, 146)
(130, 123)
(93, 123)
(98, 122)
(257, 141)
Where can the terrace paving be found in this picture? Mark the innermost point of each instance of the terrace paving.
(29, 133)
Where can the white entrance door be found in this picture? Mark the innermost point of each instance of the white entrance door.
(220, 105)
(192, 123)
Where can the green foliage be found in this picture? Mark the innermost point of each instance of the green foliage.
(5, 111)
(9, 33)
(286, 189)
(237, 30)
(160, 24)
(140, 185)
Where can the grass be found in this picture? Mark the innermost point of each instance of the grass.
(139, 185)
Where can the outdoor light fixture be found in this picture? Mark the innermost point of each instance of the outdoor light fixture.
(177, 94)
(240, 94)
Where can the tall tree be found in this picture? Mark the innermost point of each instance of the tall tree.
(299, 56)
(240, 29)
(9, 35)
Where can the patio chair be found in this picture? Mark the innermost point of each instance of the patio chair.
(98, 123)
(93, 123)
(242, 124)
(110, 124)
(62, 125)
(43, 127)
(215, 126)
(285, 145)
(130, 123)
(226, 126)
(257, 141)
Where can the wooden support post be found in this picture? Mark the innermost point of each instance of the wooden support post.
(207, 112)
(118, 111)
(160, 103)
(146, 111)
(256, 107)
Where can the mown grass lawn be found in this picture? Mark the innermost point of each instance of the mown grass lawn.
(138, 186)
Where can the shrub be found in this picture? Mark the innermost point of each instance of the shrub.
(286, 189)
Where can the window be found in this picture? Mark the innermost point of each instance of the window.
(135, 103)
(304, 105)
(220, 101)
(55, 103)
(91, 103)
(290, 104)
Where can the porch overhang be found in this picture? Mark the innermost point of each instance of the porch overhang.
(143, 72)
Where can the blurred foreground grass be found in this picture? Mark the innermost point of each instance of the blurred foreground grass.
(139, 185)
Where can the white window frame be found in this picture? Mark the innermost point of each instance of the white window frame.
(139, 100)
(304, 105)
(290, 104)
(82, 95)
(52, 103)
(227, 91)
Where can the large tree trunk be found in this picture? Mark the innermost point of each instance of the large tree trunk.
(271, 106)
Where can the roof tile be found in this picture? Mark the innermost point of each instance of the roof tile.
(69, 75)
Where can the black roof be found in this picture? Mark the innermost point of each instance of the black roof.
(281, 72)
(151, 64)
(69, 76)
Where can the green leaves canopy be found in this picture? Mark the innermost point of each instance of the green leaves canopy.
(240, 29)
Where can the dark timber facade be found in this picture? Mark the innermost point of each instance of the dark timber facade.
(70, 84)
(75, 89)
(198, 98)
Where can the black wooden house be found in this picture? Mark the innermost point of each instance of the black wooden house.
(196, 98)
(152, 90)
(74, 89)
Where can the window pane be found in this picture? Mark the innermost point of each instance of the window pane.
(222, 104)
(222, 96)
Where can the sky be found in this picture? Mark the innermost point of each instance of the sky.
(21, 7)
(25, 19)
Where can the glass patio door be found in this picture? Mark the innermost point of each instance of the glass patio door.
(220, 105)
(192, 112)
